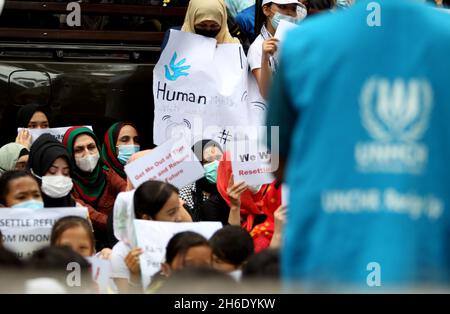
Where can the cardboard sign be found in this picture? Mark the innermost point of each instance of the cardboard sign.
(172, 162)
(153, 236)
(56, 132)
(200, 89)
(27, 230)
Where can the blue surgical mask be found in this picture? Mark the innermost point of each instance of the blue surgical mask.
(31, 204)
(277, 17)
(211, 171)
(126, 151)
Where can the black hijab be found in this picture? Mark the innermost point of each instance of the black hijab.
(44, 151)
(26, 112)
(203, 185)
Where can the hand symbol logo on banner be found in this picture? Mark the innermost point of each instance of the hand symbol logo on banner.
(177, 69)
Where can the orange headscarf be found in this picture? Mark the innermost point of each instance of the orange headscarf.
(212, 10)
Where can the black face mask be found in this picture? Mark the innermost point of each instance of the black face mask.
(207, 32)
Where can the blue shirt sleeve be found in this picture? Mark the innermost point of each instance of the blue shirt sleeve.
(281, 113)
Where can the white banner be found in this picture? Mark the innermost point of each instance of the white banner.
(200, 89)
(27, 230)
(153, 237)
(56, 132)
(172, 162)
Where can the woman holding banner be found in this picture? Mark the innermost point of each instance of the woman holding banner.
(93, 187)
(120, 143)
(31, 116)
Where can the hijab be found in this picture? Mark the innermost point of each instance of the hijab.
(89, 185)
(26, 112)
(109, 149)
(44, 151)
(213, 10)
(9, 154)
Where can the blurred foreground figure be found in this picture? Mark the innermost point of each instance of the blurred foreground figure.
(364, 132)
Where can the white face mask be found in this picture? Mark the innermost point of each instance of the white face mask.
(88, 163)
(56, 186)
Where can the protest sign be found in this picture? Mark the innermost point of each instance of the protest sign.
(123, 216)
(56, 132)
(101, 272)
(283, 28)
(153, 236)
(172, 162)
(27, 230)
(252, 164)
(200, 89)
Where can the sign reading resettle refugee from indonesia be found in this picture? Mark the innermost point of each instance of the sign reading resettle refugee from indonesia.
(200, 89)
(58, 133)
(153, 237)
(27, 230)
(172, 162)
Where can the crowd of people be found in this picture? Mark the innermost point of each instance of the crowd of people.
(83, 171)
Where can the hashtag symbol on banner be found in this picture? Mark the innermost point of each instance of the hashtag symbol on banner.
(225, 137)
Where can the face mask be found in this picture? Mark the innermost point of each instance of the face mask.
(277, 17)
(207, 32)
(56, 186)
(211, 171)
(88, 163)
(126, 151)
(31, 204)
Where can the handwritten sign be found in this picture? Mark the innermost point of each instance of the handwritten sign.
(253, 168)
(56, 132)
(101, 273)
(153, 237)
(199, 89)
(123, 216)
(172, 162)
(27, 230)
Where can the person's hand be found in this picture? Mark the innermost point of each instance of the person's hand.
(269, 47)
(24, 138)
(132, 260)
(280, 218)
(234, 192)
(105, 253)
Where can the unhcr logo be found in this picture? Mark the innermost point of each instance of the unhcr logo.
(396, 115)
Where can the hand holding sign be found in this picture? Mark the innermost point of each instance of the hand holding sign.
(24, 138)
(234, 191)
(132, 260)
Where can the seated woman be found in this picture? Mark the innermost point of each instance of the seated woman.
(20, 189)
(120, 143)
(153, 200)
(93, 188)
(31, 116)
(50, 162)
(13, 156)
(201, 197)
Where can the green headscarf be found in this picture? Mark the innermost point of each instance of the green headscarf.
(9, 154)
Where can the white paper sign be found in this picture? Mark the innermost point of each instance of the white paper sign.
(27, 230)
(252, 166)
(56, 132)
(101, 273)
(153, 237)
(200, 89)
(123, 216)
(283, 28)
(172, 162)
